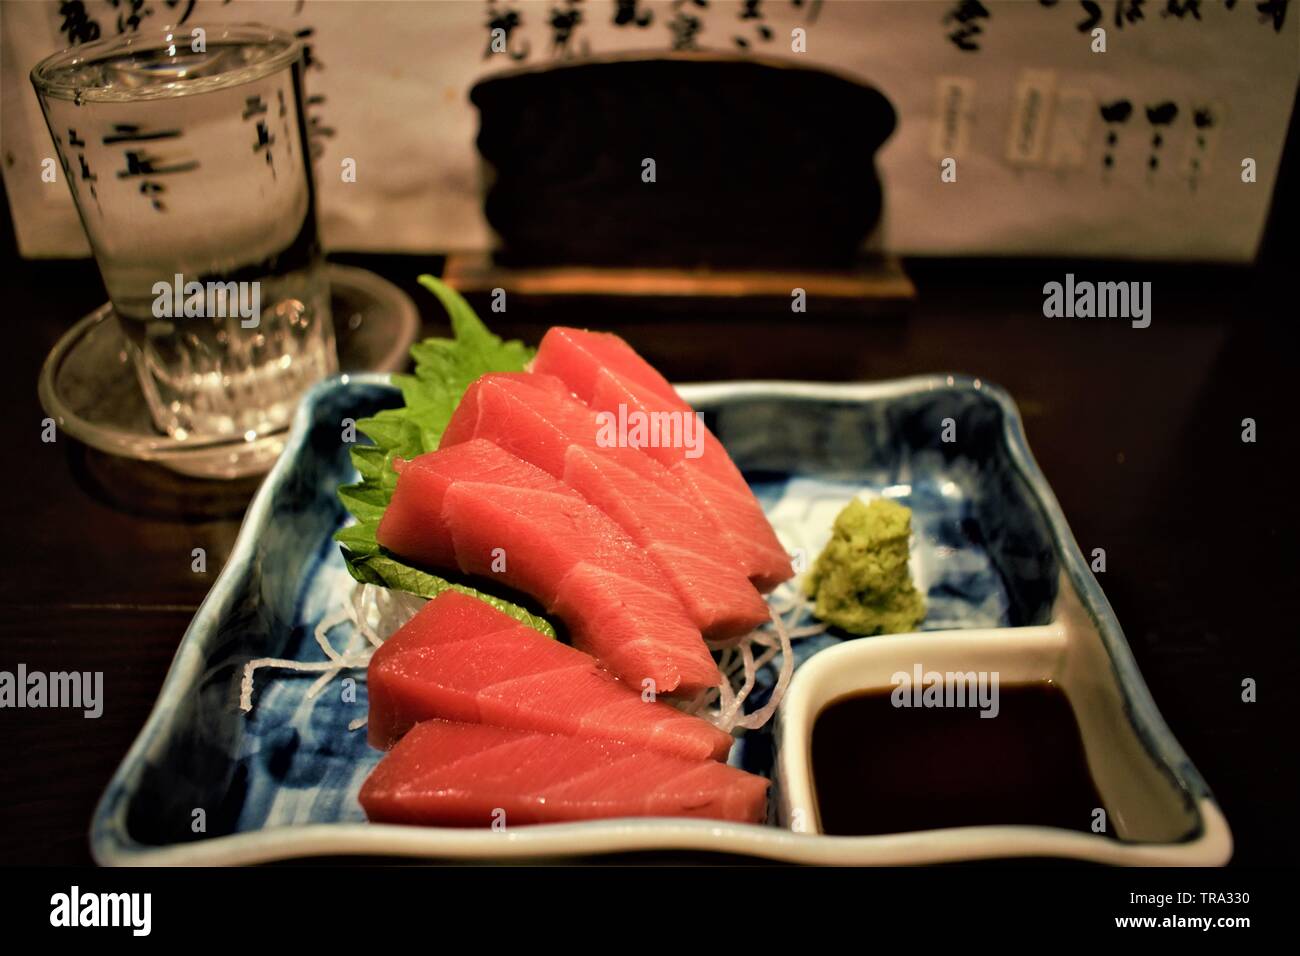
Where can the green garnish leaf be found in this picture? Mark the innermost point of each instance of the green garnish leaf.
(444, 369)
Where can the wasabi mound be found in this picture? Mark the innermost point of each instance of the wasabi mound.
(860, 582)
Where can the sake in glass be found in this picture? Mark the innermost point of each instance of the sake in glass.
(188, 159)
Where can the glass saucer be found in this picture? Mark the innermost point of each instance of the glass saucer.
(89, 388)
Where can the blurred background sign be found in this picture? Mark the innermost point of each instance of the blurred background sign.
(1016, 134)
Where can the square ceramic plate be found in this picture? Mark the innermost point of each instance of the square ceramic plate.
(1006, 588)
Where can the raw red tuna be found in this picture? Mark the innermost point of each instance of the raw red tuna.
(460, 659)
(715, 592)
(478, 508)
(412, 524)
(577, 356)
(567, 554)
(535, 418)
(447, 773)
(607, 373)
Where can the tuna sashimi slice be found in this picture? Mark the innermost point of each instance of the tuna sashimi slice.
(633, 631)
(715, 592)
(412, 523)
(613, 391)
(445, 773)
(530, 539)
(585, 362)
(745, 526)
(502, 518)
(472, 413)
(415, 524)
(608, 374)
(536, 419)
(460, 659)
(713, 482)
(711, 593)
(509, 412)
(577, 356)
(648, 511)
(552, 544)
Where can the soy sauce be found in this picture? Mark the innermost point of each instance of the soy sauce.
(878, 768)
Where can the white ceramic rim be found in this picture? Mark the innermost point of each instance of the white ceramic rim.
(589, 839)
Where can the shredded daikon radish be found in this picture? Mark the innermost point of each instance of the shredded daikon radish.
(741, 658)
(727, 717)
(766, 657)
(375, 614)
(784, 606)
(787, 597)
(727, 643)
(699, 701)
(328, 624)
(319, 684)
(808, 630)
(761, 716)
(246, 685)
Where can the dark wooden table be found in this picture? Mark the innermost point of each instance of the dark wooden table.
(1138, 431)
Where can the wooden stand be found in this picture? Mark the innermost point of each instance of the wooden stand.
(876, 285)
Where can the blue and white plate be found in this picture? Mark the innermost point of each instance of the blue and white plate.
(1007, 589)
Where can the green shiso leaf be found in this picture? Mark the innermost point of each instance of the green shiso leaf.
(444, 368)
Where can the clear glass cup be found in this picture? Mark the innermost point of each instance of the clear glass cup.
(188, 159)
